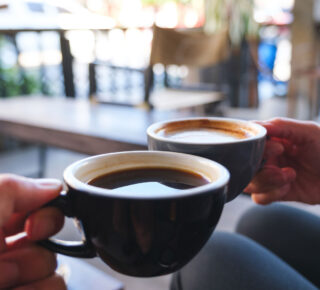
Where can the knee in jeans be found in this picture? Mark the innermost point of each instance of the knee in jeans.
(263, 219)
(222, 253)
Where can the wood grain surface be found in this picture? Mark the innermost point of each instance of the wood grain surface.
(79, 125)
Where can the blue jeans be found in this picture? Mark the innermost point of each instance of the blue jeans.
(275, 247)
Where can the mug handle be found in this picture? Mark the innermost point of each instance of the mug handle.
(79, 249)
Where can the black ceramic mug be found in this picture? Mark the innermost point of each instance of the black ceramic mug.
(236, 144)
(141, 234)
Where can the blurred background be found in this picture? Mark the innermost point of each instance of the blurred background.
(120, 34)
(259, 58)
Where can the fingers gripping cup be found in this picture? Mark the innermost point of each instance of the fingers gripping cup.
(143, 213)
(236, 144)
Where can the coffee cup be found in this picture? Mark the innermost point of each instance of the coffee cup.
(236, 144)
(142, 231)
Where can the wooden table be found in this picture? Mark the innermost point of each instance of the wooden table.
(79, 125)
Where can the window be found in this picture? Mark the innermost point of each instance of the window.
(63, 10)
(35, 7)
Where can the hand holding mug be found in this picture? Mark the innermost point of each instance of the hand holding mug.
(22, 261)
(292, 169)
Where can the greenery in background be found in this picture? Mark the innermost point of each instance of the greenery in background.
(236, 15)
(14, 81)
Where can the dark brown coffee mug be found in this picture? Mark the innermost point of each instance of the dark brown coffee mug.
(236, 144)
(141, 234)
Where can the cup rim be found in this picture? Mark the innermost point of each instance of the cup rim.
(151, 131)
(76, 184)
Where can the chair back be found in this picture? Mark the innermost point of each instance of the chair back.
(190, 47)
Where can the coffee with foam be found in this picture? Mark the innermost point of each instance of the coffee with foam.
(234, 143)
(204, 132)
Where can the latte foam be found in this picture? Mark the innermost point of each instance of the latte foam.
(202, 135)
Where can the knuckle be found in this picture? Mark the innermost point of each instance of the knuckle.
(8, 182)
(313, 126)
(278, 120)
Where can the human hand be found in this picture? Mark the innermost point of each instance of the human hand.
(23, 264)
(292, 169)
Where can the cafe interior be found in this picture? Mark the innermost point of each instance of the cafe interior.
(85, 77)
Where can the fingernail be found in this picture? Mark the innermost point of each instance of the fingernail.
(48, 183)
(9, 274)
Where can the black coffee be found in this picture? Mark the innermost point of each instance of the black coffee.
(149, 180)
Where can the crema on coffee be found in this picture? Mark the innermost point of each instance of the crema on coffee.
(202, 136)
(202, 131)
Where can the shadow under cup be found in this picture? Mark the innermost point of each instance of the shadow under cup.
(236, 144)
(141, 234)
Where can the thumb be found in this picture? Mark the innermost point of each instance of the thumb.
(290, 129)
(20, 194)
